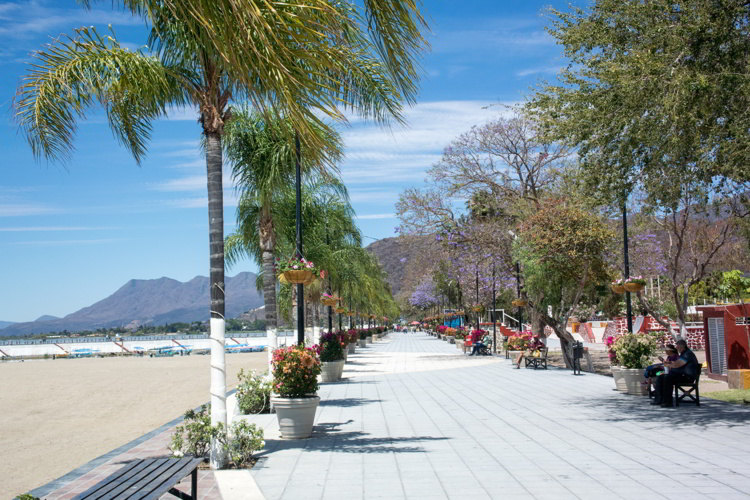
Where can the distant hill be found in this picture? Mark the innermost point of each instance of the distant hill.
(3, 324)
(148, 302)
(46, 317)
(395, 256)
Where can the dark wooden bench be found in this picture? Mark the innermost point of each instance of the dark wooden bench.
(147, 479)
(682, 391)
(539, 362)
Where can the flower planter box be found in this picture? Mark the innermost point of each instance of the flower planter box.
(619, 377)
(460, 345)
(369, 339)
(362, 342)
(633, 378)
(375, 336)
(296, 416)
(346, 355)
(351, 347)
(452, 340)
(331, 370)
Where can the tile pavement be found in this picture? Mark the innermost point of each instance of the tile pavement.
(414, 419)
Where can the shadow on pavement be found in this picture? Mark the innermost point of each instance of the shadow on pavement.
(639, 409)
(348, 402)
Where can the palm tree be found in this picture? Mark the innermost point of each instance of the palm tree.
(296, 58)
(263, 161)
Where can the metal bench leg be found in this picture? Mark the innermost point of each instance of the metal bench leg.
(194, 484)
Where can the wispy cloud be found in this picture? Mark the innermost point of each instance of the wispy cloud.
(190, 183)
(377, 216)
(25, 209)
(54, 243)
(550, 70)
(53, 228)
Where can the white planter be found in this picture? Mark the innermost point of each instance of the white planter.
(619, 376)
(375, 336)
(369, 339)
(362, 342)
(331, 370)
(633, 378)
(346, 354)
(351, 347)
(296, 416)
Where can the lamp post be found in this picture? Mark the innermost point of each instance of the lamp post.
(300, 287)
(629, 310)
(494, 319)
(518, 293)
(477, 284)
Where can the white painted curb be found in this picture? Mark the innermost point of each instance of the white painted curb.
(237, 485)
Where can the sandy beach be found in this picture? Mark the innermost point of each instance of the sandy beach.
(58, 415)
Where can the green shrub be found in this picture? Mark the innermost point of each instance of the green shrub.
(253, 393)
(193, 437)
(635, 350)
(245, 439)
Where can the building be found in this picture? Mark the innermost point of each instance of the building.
(727, 333)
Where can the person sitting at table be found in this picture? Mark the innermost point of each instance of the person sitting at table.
(683, 371)
(652, 371)
(534, 346)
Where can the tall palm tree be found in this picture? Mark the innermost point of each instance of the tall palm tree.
(297, 57)
(263, 163)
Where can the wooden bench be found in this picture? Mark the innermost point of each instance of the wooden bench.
(147, 479)
(537, 362)
(682, 391)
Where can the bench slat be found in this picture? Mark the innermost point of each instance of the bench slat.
(112, 481)
(169, 481)
(135, 483)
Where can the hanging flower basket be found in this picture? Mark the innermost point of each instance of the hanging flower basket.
(340, 310)
(283, 280)
(618, 286)
(478, 309)
(520, 303)
(330, 300)
(635, 284)
(298, 277)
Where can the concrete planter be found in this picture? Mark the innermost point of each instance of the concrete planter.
(296, 416)
(618, 375)
(375, 337)
(346, 355)
(331, 370)
(362, 342)
(369, 339)
(351, 347)
(633, 378)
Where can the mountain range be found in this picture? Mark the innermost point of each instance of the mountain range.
(149, 302)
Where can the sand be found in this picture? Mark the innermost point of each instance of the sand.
(57, 415)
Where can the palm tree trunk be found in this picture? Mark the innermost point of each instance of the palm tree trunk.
(269, 295)
(216, 245)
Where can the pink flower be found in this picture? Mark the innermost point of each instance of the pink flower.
(295, 266)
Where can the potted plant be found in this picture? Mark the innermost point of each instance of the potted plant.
(331, 356)
(520, 303)
(519, 342)
(634, 352)
(362, 338)
(615, 367)
(295, 383)
(478, 308)
(298, 270)
(341, 310)
(635, 284)
(352, 337)
(618, 286)
(329, 300)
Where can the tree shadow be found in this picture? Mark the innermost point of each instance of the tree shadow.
(348, 402)
(328, 436)
(638, 409)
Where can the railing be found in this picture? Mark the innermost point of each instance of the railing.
(134, 338)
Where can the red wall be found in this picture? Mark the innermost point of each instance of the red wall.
(735, 336)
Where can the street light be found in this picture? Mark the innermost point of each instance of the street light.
(518, 286)
(627, 264)
(300, 286)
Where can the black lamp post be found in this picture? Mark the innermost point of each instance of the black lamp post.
(628, 305)
(477, 306)
(300, 287)
(494, 319)
(518, 292)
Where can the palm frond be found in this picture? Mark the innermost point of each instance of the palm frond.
(73, 73)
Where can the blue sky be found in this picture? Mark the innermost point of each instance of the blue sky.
(70, 236)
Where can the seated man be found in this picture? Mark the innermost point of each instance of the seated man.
(684, 370)
(535, 345)
(480, 344)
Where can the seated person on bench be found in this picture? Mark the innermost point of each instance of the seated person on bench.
(479, 345)
(684, 370)
(535, 345)
(652, 371)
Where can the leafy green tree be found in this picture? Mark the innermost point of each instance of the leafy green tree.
(563, 251)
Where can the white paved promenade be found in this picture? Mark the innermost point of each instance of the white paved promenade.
(415, 419)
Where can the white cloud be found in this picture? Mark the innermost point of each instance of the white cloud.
(25, 209)
(26, 19)
(53, 228)
(550, 70)
(377, 216)
(191, 183)
(230, 200)
(53, 243)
